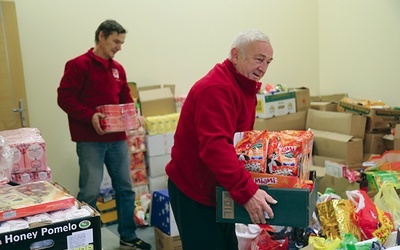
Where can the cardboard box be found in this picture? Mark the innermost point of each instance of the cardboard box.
(139, 176)
(79, 233)
(156, 164)
(335, 169)
(302, 96)
(324, 106)
(276, 104)
(165, 242)
(134, 91)
(161, 215)
(119, 117)
(295, 121)
(378, 119)
(158, 183)
(160, 144)
(339, 185)
(108, 211)
(29, 149)
(338, 122)
(104, 206)
(328, 98)
(392, 142)
(156, 101)
(294, 208)
(319, 160)
(320, 171)
(109, 217)
(374, 143)
(32, 198)
(339, 146)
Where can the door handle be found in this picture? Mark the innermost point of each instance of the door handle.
(21, 111)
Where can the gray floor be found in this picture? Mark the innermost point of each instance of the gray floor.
(110, 236)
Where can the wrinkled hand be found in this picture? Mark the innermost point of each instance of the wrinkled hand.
(96, 123)
(258, 204)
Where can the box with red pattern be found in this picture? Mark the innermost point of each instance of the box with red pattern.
(137, 160)
(139, 177)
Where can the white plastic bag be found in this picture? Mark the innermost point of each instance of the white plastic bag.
(245, 234)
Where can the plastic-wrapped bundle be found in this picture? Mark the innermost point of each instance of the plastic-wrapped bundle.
(6, 161)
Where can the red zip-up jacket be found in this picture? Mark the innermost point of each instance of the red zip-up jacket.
(90, 81)
(203, 155)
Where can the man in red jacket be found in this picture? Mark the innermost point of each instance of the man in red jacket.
(90, 80)
(203, 156)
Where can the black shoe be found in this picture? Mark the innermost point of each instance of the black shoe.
(134, 244)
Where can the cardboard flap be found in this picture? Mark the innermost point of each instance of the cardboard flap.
(294, 121)
(339, 122)
(324, 120)
(332, 135)
(159, 86)
(155, 94)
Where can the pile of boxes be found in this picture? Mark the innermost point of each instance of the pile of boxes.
(282, 103)
(38, 214)
(158, 107)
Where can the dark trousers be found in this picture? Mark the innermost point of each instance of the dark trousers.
(197, 224)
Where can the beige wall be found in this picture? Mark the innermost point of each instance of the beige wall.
(359, 48)
(178, 41)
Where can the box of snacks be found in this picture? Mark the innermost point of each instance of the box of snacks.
(279, 163)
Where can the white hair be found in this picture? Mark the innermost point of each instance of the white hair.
(245, 38)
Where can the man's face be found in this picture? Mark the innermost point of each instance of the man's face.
(111, 45)
(255, 63)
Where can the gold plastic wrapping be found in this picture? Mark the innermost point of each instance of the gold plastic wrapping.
(337, 217)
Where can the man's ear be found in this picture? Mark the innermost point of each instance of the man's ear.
(235, 55)
(101, 35)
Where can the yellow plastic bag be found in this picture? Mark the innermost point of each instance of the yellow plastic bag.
(388, 200)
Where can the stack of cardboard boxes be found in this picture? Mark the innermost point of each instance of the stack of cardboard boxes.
(156, 102)
(158, 107)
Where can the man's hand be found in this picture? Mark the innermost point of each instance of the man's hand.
(258, 204)
(96, 122)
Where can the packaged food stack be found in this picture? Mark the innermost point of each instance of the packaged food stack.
(29, 155)
(276, 159)
(119, 117)
(136, 143)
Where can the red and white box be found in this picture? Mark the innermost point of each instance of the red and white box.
(137, 160)
(28, 177)
(32, 198)
(119, 117)
(29, 149)
(139, 177)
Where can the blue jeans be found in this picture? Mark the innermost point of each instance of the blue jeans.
(115, 156)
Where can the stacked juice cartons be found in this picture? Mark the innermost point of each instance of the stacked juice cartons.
(159, 141)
